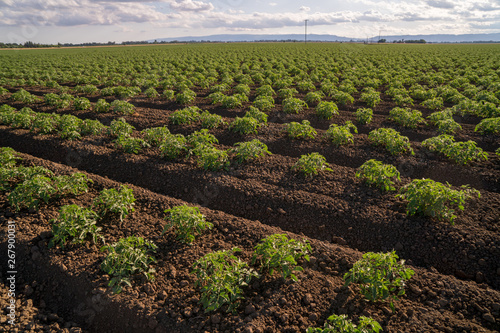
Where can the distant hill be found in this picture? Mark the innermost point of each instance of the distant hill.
(438, 38)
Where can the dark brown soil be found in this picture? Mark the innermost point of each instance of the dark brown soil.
(457, 280)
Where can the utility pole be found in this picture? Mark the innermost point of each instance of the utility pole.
(305, 33)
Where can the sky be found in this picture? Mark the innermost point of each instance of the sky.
(79, 21)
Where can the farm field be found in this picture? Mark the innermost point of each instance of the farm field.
(171, 123)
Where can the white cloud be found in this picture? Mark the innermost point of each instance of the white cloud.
(444, 4)
(304, 9)
(191, 6)
(273, 4)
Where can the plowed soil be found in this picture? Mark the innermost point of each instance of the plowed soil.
(455, 287)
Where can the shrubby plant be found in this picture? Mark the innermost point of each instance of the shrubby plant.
(75, 224)
(488, 126)
(434, 199)
(293, 105)
(249, 150)
(394, 142)
(340, 324)
(127, 258)
(222, 276)
(303, 130)
(280, 253)
(459, 152)
(341, 134)
(173, 146)
(375, 173)
(380, 276)
(187, 221)
(120, 127)
(406, 117)
(113, 202)
(327, 110)
(311, 164)
(364, 116)
(185, 116)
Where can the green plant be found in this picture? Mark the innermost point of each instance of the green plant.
(340, 324)
(300, 131)
(280, 253)
(342, 97)
(216, 97)
(8, 157)
(364, 115)
(488, 126)
(185, 97)
(70, 127)
(394, 142)
(87, 89)
(209, 120)
(327, 110)
(341, 135)
(263, 102)
(202, 137)
(434, 103)
(459, 152)
(265, 90)
(293, 105)
(23, 118)
(45, 123)
(431, 198)
(381, 175)
(287, 93)
(245, 125)
(448, 126)
(401, 100)
(253, 112)
(151, 93)
(406, 117)
(113, 202)
(74, 184)
(31, 193)
(211, 158)
(92, 127)
(314, 97)
(231, 102)
(221, 276)
(168, 94)
(126, 258)
(249, 150)
(305, 86)
(130, 144)
(122, 107)
(242, 89)
(81, 103)
(497, 152)
(311, 164)
(380, 276)
(101, 106)
(173, 146)
(371, 98)
(185, 116)
(440, 115)
(23, 96)
(3, 91)
(155, 135)
(120, 127)
(75, 223)
(188, 221)
(10, 176)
